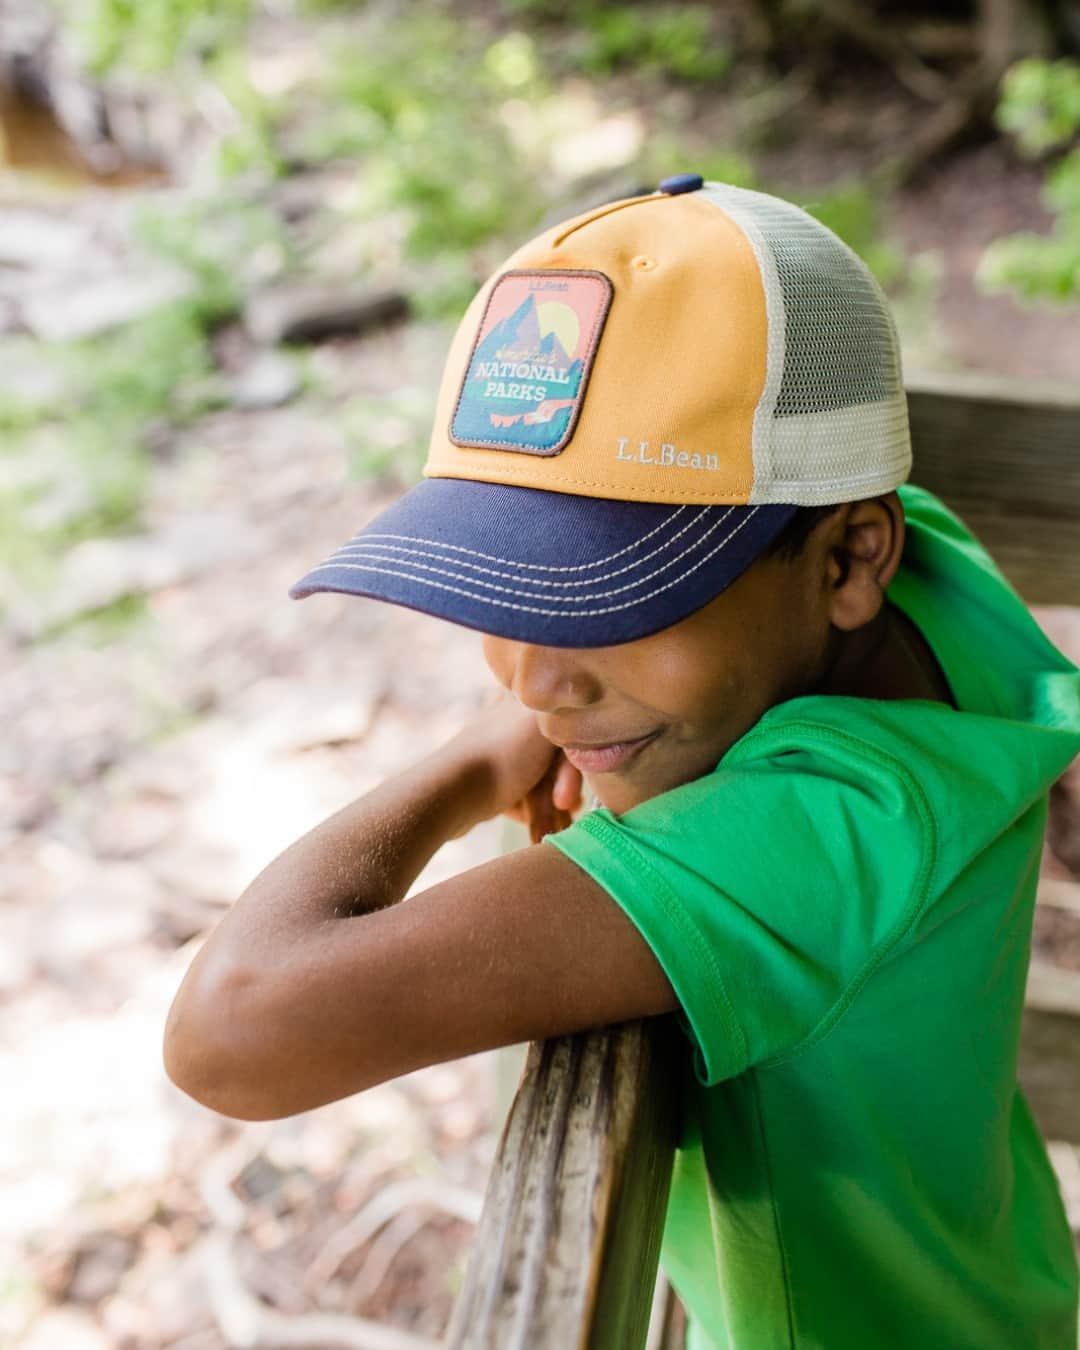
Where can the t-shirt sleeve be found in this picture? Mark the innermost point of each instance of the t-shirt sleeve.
(769, 891)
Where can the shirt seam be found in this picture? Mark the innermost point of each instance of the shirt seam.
(919, 889)
(717, 993)
(789, 1306)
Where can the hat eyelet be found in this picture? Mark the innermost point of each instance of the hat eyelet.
(643, 263)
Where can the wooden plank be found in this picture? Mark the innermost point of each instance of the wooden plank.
(1063, 895)
(1040, 556)
(1005, 454)
(1013, 444)
(566, 1253)
(1053, 989)
(1050, 1050)
(667, 1326)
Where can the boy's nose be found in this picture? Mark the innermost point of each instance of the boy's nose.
(543, 679)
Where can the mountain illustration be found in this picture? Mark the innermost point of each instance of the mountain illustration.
(554, 352)
(517, 338)
(530, 412)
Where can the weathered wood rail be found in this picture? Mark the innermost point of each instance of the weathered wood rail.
(567, 1248)
(577, 1196)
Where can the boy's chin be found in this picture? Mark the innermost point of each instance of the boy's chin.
(620, 792)
(619, 795)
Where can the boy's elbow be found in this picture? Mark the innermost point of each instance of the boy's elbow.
(210, 1053)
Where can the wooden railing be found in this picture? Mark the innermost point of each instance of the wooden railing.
(567, 1248)
(569, 1239)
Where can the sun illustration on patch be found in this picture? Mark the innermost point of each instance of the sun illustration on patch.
(560, 320)
(531, 361)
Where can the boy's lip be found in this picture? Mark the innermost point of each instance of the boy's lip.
(605, 756)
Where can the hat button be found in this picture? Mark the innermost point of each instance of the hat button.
(681, 182)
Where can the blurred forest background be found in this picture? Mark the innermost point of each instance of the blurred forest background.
(234, 240)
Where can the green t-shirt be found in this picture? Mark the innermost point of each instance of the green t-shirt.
(844, 909)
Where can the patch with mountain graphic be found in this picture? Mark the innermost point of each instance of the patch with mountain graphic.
(531, 361)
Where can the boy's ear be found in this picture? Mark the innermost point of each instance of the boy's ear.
(866, 542)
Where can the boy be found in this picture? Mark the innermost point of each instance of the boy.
(665, 483)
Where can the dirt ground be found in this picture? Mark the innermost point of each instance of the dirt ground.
(131, 1216)
(149, 776)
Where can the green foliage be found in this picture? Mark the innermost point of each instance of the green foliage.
(129, 388)
(20, 411)
(149, 369)
(437, 156)
(105, 625)
(672, 40)
(540, 11)
(1033, 266)
(438, 171)
(126, 390)
(388, 437)
(152, 35)
(119, 390)
(252, 148)
(1040, 106)
(224, 243)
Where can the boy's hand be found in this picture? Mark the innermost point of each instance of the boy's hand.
(531, 780)
(549, 805)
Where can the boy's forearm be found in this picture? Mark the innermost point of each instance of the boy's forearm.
(360, 860)
(368, 854)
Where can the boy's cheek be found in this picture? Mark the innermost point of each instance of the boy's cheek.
(498, 654)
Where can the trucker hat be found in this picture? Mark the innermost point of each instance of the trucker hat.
(632, 408)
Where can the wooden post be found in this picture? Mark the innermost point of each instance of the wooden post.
(569, 1240)
(1050, 1050)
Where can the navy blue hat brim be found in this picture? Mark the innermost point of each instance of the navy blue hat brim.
(546, 567)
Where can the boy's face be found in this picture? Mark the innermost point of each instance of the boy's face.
(646, 716)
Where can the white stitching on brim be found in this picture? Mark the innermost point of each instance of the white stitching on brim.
(360, 537)
(425, 566)
(538, 609)
(357, 550)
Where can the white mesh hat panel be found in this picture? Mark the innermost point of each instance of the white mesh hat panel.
(831, 424)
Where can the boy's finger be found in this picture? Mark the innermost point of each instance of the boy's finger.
(566, 792)
(541, 812)
(543, 806)
(548, 820)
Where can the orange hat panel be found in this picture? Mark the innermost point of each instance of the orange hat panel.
(668, 405)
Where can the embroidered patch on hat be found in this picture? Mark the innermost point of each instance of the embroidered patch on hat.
(531, 361)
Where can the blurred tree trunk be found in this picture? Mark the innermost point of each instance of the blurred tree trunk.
(927, 33)
(950, 57)
(56, 113)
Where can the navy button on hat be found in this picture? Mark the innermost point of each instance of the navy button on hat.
(681, 182)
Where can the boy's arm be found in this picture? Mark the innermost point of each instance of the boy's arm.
(317, 983)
